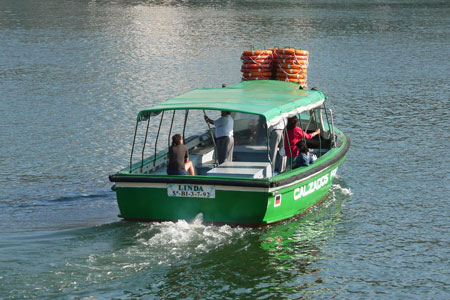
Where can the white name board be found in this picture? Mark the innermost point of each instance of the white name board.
(191, 190)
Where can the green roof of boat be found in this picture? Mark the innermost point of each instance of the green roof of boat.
(272, 99)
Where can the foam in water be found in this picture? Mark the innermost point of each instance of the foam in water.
(167, 241)
(345, 191)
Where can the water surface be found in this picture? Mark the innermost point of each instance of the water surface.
(73, 76)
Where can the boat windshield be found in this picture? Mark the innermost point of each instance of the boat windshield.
(249, 130)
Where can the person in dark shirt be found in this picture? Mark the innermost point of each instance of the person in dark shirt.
(179, 163)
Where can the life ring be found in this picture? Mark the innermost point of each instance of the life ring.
(291, 76)
(252, 66)
(291, 51)
(291, 56)
(257, 61)
(301, 81)
(293, 61)
(291, 71)
(255, 78)
(257, 74)
(254, 70)
(292, 66)
(252, 57)
(257, 52)
(284, 73)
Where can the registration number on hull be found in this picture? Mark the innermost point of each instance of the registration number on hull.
(191, 190)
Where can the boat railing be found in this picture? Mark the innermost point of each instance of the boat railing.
(154, 162)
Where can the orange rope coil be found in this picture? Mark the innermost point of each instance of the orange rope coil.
(250, 57)
(291, 71)
(251, 66)
(265, 70)
(301, 81)
(257, 74)
(255, 78)
(292, 66)
(289, 64)
(294, 57)
(292, 76)
(256, 61)
(291, 51)
(257, 52)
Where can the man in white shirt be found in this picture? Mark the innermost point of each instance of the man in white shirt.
(224, 136)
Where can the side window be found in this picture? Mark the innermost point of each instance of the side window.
(249, 129)
(304, 121)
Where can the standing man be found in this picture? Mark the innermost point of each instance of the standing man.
(224, 136)
(275, 143)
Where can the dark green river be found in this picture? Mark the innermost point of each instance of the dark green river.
(75, 73)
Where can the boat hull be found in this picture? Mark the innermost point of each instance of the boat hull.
(231, 204)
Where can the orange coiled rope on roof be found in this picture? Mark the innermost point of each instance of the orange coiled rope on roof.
(300, 81)
(256, 74)
(292, 57)
(286, 64)
(290, 65)
(257, 52)
(291, 51)
(281, 71)
(255, 78)
(256, 64)
(252, 60)
(302, 64)
(284, 75)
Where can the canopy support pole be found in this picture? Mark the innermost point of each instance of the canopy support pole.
(132, 148)
(320, 135)
(157, 136)
(301, 126)
(170, 130)
(213, 140)
(143, 147)
(320, 145)
(185, 121)
(268, 147)
(328, 121)
(286, 135)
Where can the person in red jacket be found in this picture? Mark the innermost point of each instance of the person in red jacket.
(294, 135)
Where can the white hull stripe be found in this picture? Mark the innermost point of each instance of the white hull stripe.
(164, 186)
(219, 187)
(298, 181)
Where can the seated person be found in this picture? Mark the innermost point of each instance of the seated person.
(294, 135)
(179, 163)
(303, 158)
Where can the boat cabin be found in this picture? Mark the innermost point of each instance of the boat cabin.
(254, 114)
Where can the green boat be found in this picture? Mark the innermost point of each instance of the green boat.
(246, 191)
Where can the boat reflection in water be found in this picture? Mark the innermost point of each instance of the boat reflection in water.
(295, 246)
(272, 262)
